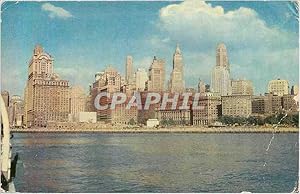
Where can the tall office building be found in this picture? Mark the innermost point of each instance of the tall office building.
(221, 57)
(242, 87)
(220, 78)
(156, 80)
(278, 87)
(129, 69)
(177, 75)
(141, 78)
(46, 95)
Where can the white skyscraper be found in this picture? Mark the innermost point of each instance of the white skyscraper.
(176, 83)
(141, 76)
(220, 78)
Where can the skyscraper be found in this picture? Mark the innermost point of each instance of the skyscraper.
(220, 78)
(177, 77)
(46, 95)
(141, 79)
(129, 69)
(221, 57)
(156, 80)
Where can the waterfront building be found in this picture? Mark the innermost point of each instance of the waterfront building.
(141, 79)
(175, 115)
(46, 95)
(258, 104)
(107, 81)
(77, 100)
(156, 80)
(237, 105)
(220, 77)
(209, 112)
(177, 83)
(5, 96)
(278, 87)
(123, 116)
(242, 87)
(289, 104)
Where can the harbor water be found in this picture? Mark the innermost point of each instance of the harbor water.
(148, 162)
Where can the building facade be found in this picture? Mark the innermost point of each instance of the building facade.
(278, 87)
(242, 87)
(78, 100)
(220, 77)
(177, 83)
(156, 82)
(46, 95)
(209, 111)
(141, 78)
(237, 106)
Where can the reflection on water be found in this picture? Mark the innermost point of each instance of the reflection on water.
(155, 162)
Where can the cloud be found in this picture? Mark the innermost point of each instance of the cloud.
(56, 12)
(256, 51)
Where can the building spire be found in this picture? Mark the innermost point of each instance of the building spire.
(177, 51)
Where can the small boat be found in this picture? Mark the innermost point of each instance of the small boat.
(8, 166)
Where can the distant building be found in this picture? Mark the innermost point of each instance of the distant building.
(177, 83)
(295, 90)
(156, 82)
(236, 105)
(129, 72)
(107, 81)
(242, 87)
(78, 99)
(46, 95)
(175, 115)
(122, 115)
(5, 96)
(201, 88)
(209, 111)
(220, 77)
(16, 111)
(289, 104)
(83, 117)
(278, 87)
(258, 104)
(141, 77)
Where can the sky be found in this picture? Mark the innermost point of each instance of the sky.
(84, 37)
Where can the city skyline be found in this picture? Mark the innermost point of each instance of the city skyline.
(278, 51)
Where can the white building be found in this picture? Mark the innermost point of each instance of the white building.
(220, 78)
(141, 79)
(278, 87)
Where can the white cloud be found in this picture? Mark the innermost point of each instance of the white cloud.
(56, 12)
(199, 22)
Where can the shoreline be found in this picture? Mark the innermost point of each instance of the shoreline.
(165, 130)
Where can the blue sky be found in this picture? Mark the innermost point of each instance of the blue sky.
(84, 37)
